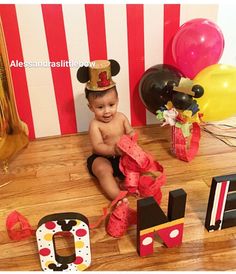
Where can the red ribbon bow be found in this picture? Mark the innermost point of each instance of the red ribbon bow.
(25, 229)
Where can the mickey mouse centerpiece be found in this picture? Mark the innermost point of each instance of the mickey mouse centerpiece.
(164, 91)
(182, 114)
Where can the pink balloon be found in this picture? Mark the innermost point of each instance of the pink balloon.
(197, 44)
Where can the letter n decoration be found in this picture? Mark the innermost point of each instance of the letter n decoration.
(151, 219)
(221, 210)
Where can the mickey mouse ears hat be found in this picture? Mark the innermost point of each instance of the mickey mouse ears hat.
(98, 76)
(187, 86)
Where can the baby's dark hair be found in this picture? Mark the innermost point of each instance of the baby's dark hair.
(91, 94)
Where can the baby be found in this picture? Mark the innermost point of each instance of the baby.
(107, 126)
(105, 131)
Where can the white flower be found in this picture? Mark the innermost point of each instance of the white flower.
(170, 117)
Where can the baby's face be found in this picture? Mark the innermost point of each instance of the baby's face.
(104, 107)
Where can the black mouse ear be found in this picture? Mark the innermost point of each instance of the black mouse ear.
(198, 91)
(83, 74)
(115, 67)
(64, 266)
(72, 223)
(51, 266)
(61, 222)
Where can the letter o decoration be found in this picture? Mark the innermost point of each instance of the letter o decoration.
(71, 223)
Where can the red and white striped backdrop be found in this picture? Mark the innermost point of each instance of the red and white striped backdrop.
(51, 100)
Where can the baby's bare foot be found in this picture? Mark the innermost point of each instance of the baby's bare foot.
(125, 200)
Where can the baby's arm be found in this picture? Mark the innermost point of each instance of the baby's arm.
(98, 144)
(128, 129)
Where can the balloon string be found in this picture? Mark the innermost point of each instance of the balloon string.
(219, 126)
(218, 135)
(221, 136)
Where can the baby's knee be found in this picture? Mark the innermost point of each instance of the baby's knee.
(103, 170)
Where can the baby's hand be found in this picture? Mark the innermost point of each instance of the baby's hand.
(118, 151)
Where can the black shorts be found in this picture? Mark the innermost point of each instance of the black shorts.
(114, 163)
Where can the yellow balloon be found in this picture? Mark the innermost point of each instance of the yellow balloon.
(219, 99)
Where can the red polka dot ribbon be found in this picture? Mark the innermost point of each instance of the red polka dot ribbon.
(106, 210)
(180, 143)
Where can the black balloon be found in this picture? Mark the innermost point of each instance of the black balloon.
(156, 86)
(181, 100)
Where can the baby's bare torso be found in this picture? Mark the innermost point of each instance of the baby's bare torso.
(112, 131)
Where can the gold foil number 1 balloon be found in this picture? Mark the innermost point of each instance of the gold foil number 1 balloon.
(13, 132)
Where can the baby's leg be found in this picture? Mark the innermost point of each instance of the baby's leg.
(103, 170)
